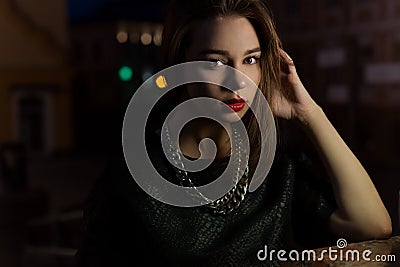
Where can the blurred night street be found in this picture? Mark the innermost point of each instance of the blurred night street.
(68, 69)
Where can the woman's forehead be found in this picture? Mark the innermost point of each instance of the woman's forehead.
(224, 33)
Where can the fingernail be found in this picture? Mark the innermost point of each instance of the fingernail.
(287, 55)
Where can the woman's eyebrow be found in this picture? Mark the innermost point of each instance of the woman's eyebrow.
(225, 52)
(213, 51)
(257, 49)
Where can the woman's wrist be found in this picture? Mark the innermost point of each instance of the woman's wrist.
(309, 116)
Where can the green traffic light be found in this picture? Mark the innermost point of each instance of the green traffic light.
(125, 73)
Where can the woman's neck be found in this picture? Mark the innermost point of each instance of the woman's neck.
(198, 129)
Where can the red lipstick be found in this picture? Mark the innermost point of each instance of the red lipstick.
(236, 104)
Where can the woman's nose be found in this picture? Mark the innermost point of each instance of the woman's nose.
(235, 80)
(240, 83)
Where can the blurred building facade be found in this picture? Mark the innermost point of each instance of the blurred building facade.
(35, 111)
(35, 102)
(348, 54)
(113, 50)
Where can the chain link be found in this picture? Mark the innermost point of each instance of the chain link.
(230, 200)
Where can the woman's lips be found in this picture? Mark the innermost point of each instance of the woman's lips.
(236, 104)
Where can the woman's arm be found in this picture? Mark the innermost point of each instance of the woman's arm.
(361, 213)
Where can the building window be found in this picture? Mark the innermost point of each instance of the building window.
(33, 114)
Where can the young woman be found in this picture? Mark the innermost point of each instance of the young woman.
(296, 206)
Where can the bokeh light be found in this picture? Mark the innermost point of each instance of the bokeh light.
(122, 37)
(125, 73)
(146, 38)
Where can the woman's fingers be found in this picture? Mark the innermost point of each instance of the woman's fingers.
(290, 69)
(286, 57)
(289, 66)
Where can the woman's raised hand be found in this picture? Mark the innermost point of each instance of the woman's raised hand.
(292, 101)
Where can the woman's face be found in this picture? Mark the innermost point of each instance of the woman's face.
(228, 41)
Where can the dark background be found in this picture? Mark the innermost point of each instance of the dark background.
(347, 54)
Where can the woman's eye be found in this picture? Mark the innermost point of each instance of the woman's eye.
(251, 60)
(216, 62)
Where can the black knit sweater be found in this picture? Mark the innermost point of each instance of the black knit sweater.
(125, 226)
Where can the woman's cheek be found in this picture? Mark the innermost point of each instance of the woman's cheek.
(203, 90)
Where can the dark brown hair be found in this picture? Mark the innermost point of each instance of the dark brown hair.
(183, 16)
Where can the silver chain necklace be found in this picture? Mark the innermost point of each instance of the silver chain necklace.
(235, 196)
